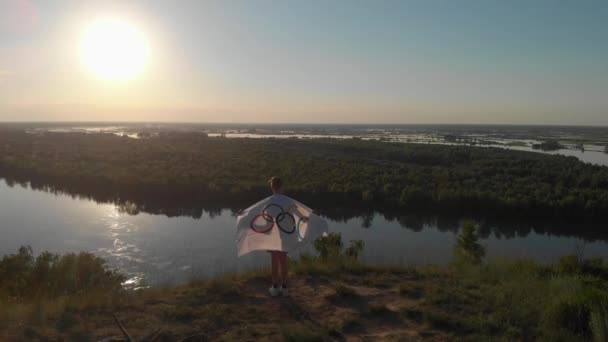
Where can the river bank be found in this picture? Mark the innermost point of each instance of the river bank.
(340, 300)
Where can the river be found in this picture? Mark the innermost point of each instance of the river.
(158, 250)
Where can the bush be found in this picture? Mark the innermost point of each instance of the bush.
(50, 275)
(329, 246)
(354, 250)
(572, 307)
(568, 264)
(467, 247)
(576, 265)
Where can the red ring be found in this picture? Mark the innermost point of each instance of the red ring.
(265, 217)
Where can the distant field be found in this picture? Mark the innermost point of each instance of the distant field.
(185, 167)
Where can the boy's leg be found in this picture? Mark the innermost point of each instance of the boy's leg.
(284, 268)
(275, 263)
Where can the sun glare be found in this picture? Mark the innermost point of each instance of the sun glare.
(114, 50)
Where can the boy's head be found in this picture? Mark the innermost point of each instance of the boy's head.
(276, 185)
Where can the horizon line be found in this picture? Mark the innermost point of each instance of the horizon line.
(300, 123)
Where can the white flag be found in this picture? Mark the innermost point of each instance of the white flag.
(277, 223)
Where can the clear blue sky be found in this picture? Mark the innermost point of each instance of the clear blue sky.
(316, 61)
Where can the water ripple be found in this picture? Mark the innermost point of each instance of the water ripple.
(123, 252)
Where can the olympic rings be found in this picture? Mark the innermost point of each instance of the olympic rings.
(265, 217)
(265, 211)
(281, 217)
(291, 223)
(302, 219)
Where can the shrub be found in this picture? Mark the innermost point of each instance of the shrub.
(354, 250)
(569, 264)
(329, 246)
(574, 307)
(576, 265)
(50, 275)
(467, 247)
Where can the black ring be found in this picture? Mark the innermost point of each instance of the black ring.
(266, 213)
(281, 217)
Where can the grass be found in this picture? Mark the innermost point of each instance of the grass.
(298, 332)
(334, 300)
(480, 304)
(599, 321)
(517, 299)
(503, 299)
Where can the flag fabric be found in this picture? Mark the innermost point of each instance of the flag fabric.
(277, 223)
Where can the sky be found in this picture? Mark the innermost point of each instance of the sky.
(426, 61)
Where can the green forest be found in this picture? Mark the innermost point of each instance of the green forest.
(187, 167)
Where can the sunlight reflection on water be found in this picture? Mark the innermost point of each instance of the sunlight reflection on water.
(123, 253)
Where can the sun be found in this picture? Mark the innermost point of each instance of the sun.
(114, 49)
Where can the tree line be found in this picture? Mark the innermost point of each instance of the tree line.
(182, 168)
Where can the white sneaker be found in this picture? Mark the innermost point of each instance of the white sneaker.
(284, 291)
(274, 291)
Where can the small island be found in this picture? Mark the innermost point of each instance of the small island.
(549, 145)
(517, 143)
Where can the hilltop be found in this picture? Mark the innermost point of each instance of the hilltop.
(336, 298)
